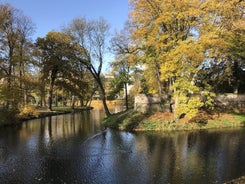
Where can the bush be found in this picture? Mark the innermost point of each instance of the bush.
(28, 111)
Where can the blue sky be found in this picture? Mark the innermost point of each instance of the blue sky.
(50, 15)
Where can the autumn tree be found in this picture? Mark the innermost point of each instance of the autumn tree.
(223, 38)
(57, 53)
(78, 83)
(15, 58)
(181, 38)
(91, 36)
(165, 31)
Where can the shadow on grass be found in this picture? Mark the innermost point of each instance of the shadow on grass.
(115, 120)
(134, 121)
(126, 120)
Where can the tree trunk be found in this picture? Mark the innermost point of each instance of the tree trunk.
(56, 99)
(236, 78)
(81, 102)
(102, 90)
(126, 95)
(50, 98)
(103, 98)
(73, 102)
(158, 79)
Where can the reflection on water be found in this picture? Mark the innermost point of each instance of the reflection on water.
(73, 149)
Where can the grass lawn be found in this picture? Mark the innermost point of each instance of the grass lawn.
(136, 121)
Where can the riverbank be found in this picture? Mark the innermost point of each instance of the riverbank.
(8, 118)
(135, 121)
(240, 180)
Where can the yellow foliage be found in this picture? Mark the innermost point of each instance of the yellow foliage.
(188, 106)
(28, 111)
(187, 98)
(179, 36)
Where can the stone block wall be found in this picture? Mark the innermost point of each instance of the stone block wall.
(152, 103)
(231, 100)
(149, 103)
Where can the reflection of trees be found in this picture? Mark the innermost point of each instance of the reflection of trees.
(69, 125)
(54, 147)
(192, 157)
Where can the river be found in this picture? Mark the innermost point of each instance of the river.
(75, 148)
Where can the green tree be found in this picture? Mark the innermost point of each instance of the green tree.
(121, 66)
(77, 82)
(121, 72)
(57, 52)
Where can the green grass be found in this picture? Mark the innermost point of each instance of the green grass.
(133, 121)
(240, 118)
(120, 120)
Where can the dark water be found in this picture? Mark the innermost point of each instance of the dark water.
(75, 149)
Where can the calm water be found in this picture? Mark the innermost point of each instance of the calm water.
(75, 149)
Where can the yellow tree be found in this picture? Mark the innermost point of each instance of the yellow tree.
(178, 37)
(165, 31)
(222, 36)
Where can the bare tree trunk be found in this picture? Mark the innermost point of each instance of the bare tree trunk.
(126, 95)
(103, 98)
(102, 90)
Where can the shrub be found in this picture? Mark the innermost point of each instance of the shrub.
(28, 111)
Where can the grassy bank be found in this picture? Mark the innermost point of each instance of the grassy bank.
(136, 121)
(10, 117)
(237, 181)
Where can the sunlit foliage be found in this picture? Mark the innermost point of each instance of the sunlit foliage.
(177, 38)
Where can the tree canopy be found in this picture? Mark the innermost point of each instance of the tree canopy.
(178, 38)
(186, 51)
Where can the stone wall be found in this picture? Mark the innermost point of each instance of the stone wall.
(230, 100)
(152, 103)
(149, 103)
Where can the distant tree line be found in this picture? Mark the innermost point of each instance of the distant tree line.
(69, 61)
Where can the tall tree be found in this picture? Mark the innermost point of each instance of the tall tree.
(121, 71)
(122, 66)
(164, 30)
(222, 35)
(91, 35)
(182, 36)
(57, 52)
(15, 32)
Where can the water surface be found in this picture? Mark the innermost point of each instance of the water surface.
(74, 148)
